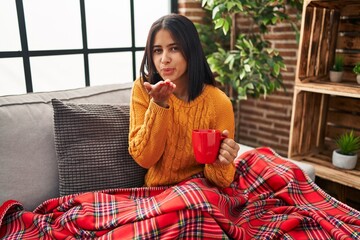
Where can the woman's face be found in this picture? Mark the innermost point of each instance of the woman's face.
(168, 58)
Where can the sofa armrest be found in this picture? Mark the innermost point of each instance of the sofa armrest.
(307, 168)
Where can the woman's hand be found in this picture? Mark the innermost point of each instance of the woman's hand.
(228, 150)
(160, 92)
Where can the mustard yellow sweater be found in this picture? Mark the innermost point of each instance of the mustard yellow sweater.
(160, 138)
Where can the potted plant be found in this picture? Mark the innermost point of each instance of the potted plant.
(248, 66)
(345, 156)
(356, 70)
(337, 70)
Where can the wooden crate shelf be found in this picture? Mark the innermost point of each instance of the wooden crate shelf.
(346, 89)
(326, 170)
(345, 194)
(322, 110)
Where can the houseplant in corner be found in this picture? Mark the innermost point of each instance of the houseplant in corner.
(337, 70)
(248, 66)
(346, 155)
(356, 70)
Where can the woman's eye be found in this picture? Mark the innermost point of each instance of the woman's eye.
(156, 50)
(174, 49)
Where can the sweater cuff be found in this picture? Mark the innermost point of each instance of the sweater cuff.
(157, 108)
(221, 175)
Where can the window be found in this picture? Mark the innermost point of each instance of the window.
(63, 44)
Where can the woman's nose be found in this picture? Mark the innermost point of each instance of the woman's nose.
(165, 58)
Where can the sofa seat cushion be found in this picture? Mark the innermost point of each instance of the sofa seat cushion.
(91, 142)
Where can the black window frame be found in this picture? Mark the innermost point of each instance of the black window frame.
(25, 54)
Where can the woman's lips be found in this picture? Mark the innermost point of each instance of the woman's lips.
(167, 71)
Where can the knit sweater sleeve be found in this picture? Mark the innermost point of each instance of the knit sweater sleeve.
(148, 127)
(220, 174)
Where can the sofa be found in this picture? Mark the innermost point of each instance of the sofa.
(35, 150)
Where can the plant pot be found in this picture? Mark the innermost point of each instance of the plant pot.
(358, 78)
(344, 161)
(335, 76)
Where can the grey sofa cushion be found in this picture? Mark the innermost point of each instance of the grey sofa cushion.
(91, 142)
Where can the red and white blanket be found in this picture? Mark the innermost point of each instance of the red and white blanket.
(270, 198)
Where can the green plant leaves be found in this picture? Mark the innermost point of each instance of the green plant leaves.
(356, 68)
(251, 67)
(338, 63)
(348, 143)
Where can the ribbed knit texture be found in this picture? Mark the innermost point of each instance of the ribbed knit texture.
(160, 138)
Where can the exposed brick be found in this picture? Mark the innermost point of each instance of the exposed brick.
(286, 45)
(248, 140)
(278, 117)
(251, 111)
(282, 29)
(290, 69)
(278, 100)
(289, 53)
(290, 61)
(280, 37)
(278, 132)
(189, 5)
(272, 108)
(278, 148)
(262, 134)
(284, 142)
(287, 93)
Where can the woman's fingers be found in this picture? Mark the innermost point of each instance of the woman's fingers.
(161, 91)
(148, 87)
(225, 133)
(228, 151)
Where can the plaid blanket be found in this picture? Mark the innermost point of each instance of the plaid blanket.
(270, 198)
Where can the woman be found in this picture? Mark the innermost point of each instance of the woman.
(174, 95)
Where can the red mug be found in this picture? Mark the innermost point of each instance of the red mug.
(206, 144)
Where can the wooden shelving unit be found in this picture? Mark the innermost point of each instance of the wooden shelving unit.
(322, 109)
(350, 90)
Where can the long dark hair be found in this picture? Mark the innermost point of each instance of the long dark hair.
(185, 34)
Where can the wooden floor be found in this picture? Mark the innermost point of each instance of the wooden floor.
(348, 195)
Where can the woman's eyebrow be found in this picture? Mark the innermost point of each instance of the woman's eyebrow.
(169, 45)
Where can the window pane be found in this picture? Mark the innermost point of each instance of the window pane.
(144, 18)
(53, 24)
(10, 38)
(108, 23)
(108, 68)
(12, 78)
(57, 72)
(138, 55)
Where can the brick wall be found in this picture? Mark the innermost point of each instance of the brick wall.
(263, 122)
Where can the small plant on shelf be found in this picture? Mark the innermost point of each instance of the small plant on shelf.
(337, 69)
(356, 70)
(345, 156)
(338, 64)
(348, 143)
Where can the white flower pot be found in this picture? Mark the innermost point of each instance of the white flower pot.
(344, 161)
(358, 78)
(335, 76)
